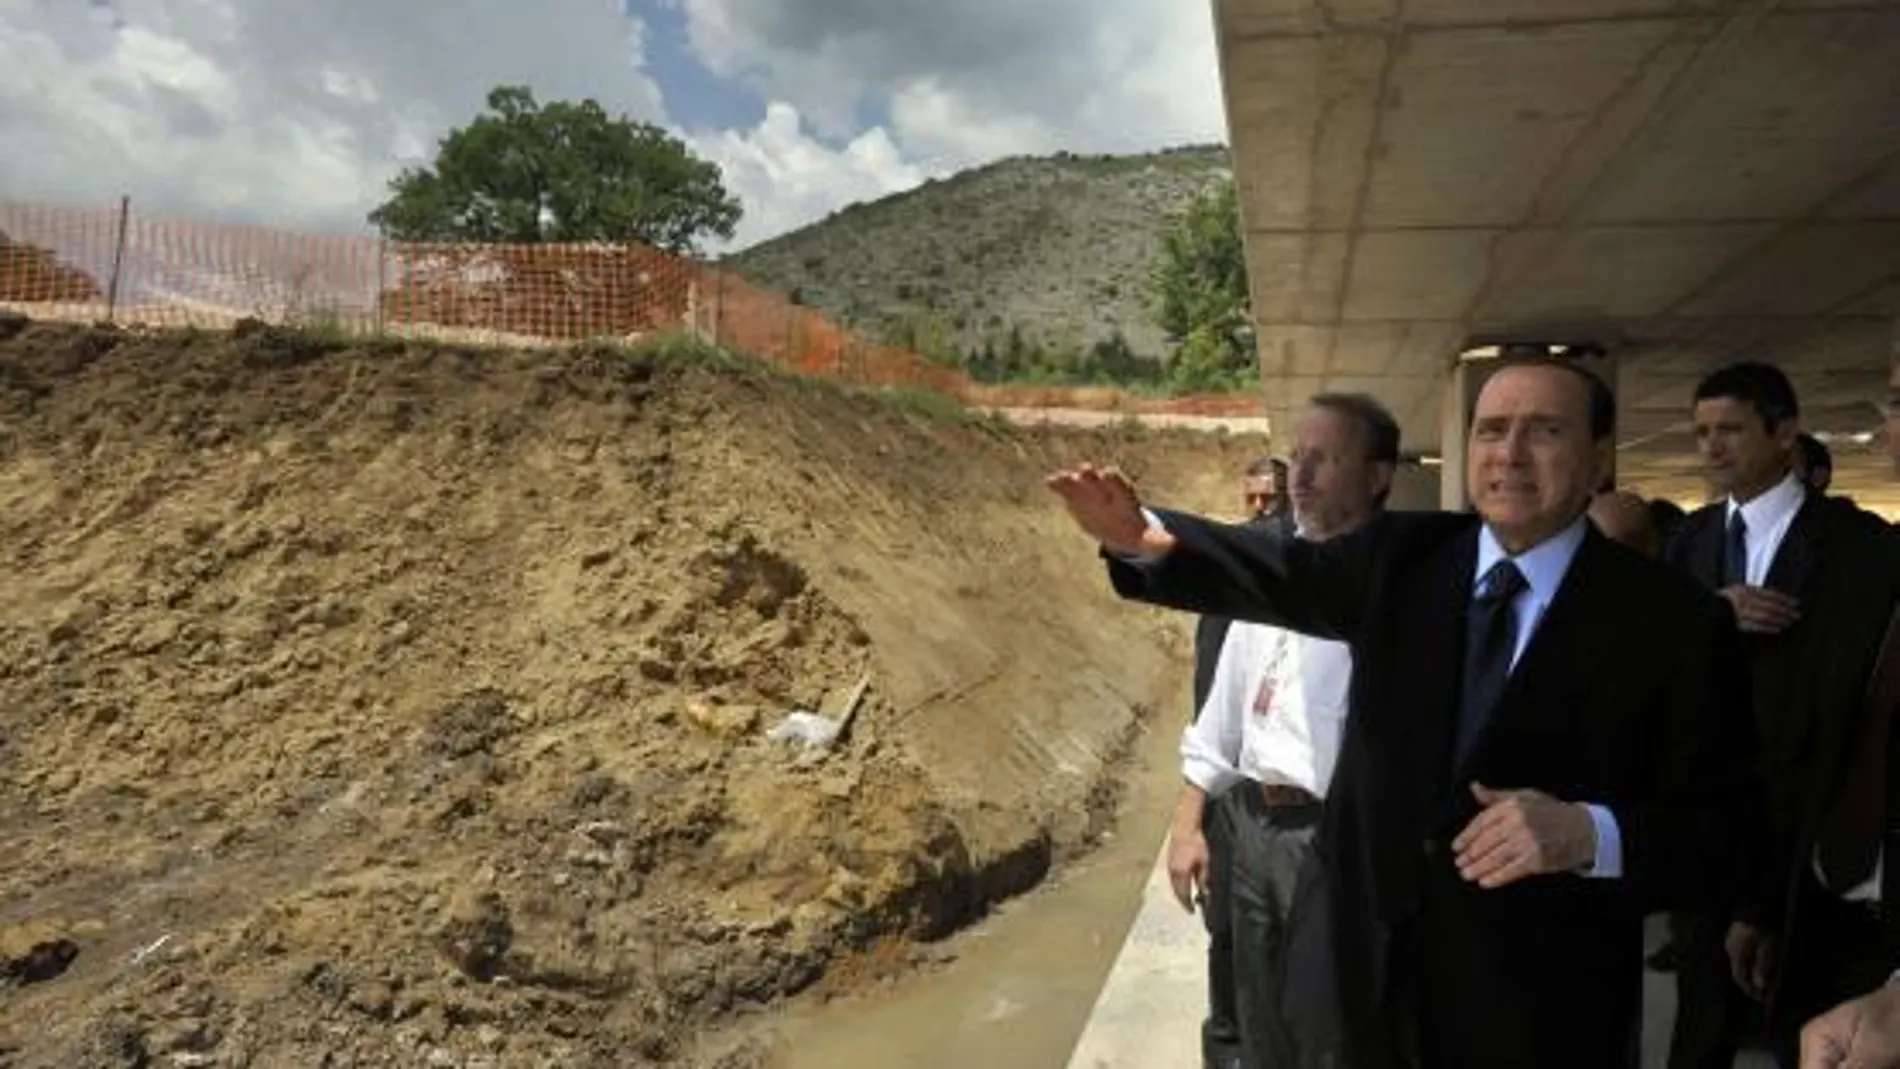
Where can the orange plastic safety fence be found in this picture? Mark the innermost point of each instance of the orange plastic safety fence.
(112, 262)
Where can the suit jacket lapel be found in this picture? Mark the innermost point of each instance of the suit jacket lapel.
(1436, 649)
(1800, 548)
(1706, 555)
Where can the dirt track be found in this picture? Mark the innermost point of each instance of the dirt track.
(404, 705)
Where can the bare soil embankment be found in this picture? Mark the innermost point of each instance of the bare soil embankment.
(396, 705)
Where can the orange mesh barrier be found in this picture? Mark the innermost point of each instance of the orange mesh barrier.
(558, 292)
(113, 263)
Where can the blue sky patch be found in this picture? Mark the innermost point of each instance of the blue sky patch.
(696, 98)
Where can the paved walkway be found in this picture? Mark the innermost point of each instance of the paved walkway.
(1148, 1015)
(1149, 1012)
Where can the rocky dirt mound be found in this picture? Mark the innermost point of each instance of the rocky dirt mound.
(396, 705)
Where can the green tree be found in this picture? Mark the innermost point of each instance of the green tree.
(564, 171)
(1201, 293)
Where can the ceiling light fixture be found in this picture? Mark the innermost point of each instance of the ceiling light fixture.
(1844, 437)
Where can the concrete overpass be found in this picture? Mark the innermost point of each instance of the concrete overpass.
(1681, 182)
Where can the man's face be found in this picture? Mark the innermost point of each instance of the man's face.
(1740, 455)
(1531, 463)
(1335, 483)
(1261, 493)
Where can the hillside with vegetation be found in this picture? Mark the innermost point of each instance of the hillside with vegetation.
(1028, 268)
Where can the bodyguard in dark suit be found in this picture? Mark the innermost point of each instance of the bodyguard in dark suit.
(1837, 851)
(1863, 821)
(1754, 547)
(1537, 751)
(1809, 579)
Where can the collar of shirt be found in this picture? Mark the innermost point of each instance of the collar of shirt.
(1543, 565)
(1770, 507)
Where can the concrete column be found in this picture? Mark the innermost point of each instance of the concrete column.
(1461, 388)
(1414, 487)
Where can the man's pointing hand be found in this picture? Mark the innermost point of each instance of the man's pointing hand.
(1102, 502)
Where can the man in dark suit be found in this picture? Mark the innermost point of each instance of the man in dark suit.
(1263, 491)
(1268, 500)
(1864, 1033)
(1809, 579)
(1536, 753)
(1746, 431)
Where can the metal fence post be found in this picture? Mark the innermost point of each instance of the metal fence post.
(382, 280)
(118, 258)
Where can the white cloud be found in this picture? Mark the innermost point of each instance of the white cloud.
(938, 123)
(296, 114)
(971, 80)
(279, 111)
(786, 178)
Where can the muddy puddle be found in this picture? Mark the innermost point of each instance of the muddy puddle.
(1018, 987)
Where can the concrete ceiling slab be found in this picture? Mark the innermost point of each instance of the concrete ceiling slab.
(1810, 270)
(1416, 274)
(1393, 351)
(1302, 113)
(1684, 181)
(1875, 196)
(1303, 275)
(1466, 12)
(1882, 303)
(1469, 115)
(1783, 113)
(1616, 273)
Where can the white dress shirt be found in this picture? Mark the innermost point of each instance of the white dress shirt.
(1274, 712)
(1766, 519)
(1543, 567)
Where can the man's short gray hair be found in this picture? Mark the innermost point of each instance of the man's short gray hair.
(1379, 429)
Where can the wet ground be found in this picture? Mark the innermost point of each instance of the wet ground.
(1021, 985)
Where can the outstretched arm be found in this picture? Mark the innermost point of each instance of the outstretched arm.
(1180, 561)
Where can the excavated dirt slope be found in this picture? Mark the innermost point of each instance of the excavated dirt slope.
(409, 706)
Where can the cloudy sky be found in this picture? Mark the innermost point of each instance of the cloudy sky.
(296, 113)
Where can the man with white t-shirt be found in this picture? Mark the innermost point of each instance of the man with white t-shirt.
(1270, 731)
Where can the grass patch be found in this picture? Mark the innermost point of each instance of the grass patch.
(315, 337)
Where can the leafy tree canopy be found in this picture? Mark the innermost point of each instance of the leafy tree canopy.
(1201, 294)
(528, 173)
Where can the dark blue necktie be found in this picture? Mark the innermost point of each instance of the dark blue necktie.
(1490, 640)
(1735, 551)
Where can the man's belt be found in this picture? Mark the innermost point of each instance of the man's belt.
(1280, 795)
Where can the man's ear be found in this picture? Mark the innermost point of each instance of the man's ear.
(1382, 475)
